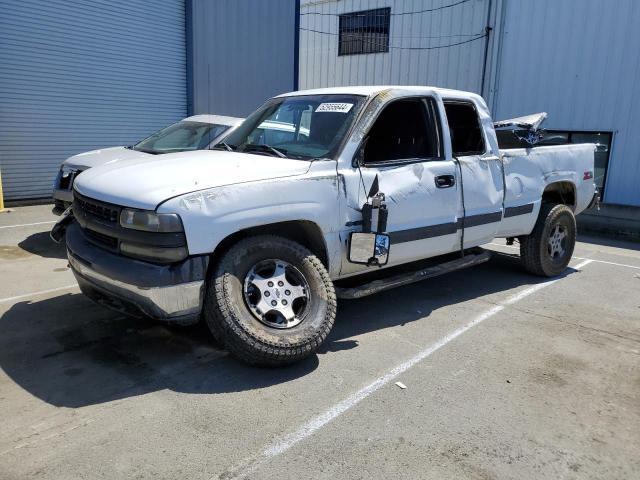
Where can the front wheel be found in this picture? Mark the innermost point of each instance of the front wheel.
(270, 301)
(547, 250)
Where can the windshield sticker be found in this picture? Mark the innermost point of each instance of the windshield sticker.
(334, 107)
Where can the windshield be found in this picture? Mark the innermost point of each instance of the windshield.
(181, 136)
(303, 127)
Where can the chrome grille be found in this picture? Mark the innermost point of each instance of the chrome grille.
(94, 208)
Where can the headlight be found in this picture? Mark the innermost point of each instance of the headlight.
(150, 221)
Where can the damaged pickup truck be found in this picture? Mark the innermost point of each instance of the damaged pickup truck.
(367, 188)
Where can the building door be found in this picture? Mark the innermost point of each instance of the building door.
(78, 76)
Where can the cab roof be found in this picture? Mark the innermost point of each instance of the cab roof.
(369, 90)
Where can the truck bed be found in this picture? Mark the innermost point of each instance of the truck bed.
(528, 171)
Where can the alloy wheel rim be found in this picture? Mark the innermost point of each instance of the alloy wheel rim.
(276, 293)
(556, 245)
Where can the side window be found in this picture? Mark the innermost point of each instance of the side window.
(464, 128)
(406, 129)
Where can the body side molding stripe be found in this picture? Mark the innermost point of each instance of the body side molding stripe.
(519, 210)
(430, 231)
(482, 219)
(421, 233)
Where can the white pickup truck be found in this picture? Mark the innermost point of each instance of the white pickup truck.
(367, 188)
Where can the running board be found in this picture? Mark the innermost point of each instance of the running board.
(407, 278)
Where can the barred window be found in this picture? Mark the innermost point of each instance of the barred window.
(364, 32)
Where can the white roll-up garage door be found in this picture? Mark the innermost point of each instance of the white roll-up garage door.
(77, 75)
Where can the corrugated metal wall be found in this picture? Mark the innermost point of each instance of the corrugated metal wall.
(576, 59)
(243, 53)
(421, 50)
(78, 75)
(579, 61)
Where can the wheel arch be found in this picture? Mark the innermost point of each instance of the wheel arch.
(305, 232)
(562, 192)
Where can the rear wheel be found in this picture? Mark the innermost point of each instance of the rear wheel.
(548, 249)
(270, 301)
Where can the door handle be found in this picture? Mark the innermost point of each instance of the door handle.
(445, 181)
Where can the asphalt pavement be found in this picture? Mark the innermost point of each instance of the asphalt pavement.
(506, 375)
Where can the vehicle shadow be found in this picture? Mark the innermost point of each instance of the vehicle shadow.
(41, 244)
(70, 352)
(606, 241)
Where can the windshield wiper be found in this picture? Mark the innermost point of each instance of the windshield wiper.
(144, 150)
(265, 148)
(224, 145)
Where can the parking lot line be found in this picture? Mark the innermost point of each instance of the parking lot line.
(33, 294)
(611, 263)
(578, 258)
(28, 224)
(338, 409)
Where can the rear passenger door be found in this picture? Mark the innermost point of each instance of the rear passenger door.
(481, 173)
(404, 149)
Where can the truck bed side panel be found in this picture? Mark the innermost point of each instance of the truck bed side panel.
(529, 171)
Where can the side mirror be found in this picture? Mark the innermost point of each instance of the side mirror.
(369, 248)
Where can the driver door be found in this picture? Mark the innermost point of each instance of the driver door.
(404, 149)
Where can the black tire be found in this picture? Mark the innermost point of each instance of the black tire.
(537, 256)
(238, 329)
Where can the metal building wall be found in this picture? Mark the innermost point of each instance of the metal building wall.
(77, 75)
(579, 61)
(242, 52)
(421, 44)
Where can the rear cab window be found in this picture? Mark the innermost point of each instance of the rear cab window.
(467, 137)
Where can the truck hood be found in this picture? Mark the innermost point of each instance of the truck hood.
(146, 182)
(95, 158)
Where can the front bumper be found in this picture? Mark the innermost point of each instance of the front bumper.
(171, 293)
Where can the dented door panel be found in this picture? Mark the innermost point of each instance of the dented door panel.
(483, 195)
(422, 217)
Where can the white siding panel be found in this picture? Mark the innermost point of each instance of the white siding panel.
(78, 75)
(407, 62)
(578, 60)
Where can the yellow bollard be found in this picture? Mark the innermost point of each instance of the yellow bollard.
(2, 209)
